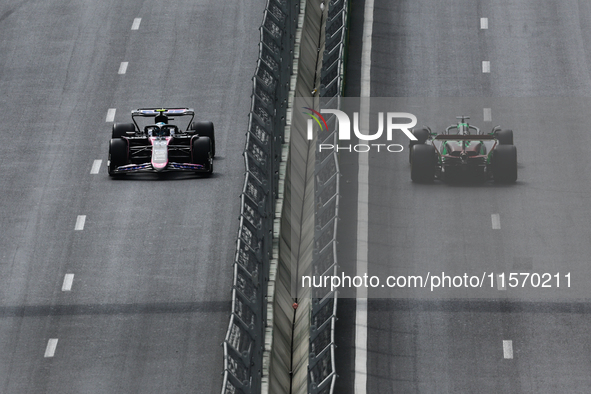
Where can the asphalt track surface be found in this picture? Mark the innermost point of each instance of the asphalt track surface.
(539, 84)
(149, 302)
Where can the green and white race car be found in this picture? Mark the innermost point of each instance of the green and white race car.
(463, 152)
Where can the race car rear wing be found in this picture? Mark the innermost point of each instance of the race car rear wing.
(180, 111)
(465, 137)
(153, 112)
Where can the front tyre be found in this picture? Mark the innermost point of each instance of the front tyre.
(118, 155)
(423, 163)
(205, 129)
(504, 161)
(201, 153)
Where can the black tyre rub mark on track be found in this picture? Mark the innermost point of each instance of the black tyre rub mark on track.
(6, 14)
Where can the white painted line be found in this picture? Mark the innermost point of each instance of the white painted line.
(486, 66)
(110, 115)
(360, 379)
(362, 256)
(487, 115)
(96, 166)
(68, 280)
(495, 218)
(484, 23)
(123, 68)
(50, 349)
(80, 220)
(501, 283)
(136, 23)
(508, 349)
(366, 49)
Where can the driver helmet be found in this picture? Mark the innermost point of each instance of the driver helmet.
(159, 132)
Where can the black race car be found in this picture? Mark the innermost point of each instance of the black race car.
(463, 152)
(160, 146)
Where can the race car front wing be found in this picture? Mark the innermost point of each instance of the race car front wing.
(147, 167)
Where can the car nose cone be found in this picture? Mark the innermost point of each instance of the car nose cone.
(159, 155)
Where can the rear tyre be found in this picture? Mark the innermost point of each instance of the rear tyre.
(422, 136)
(205, 129)
(121, 129)
(118, 155)
(423, 163)
(202, 153)
(504, 161)
(505, 137)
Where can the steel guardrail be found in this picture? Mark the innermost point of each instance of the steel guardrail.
(244, 341)
(322, 369)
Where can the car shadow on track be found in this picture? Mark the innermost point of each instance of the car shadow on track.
(471, 183)
(165, 176)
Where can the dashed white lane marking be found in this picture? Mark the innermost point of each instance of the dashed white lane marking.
(487, 115)
(68, 280)
(96, 166)
(508, 349)
(50, 349)
(486, 66)
(360, 380)
(80, 220)
(500, 283)
(110, 115)
(123, 68)
(495, 218)
(136, 23)
(484, 23)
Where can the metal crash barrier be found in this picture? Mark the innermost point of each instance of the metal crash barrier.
(244, 342)
(269, 346)
(322, 369)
